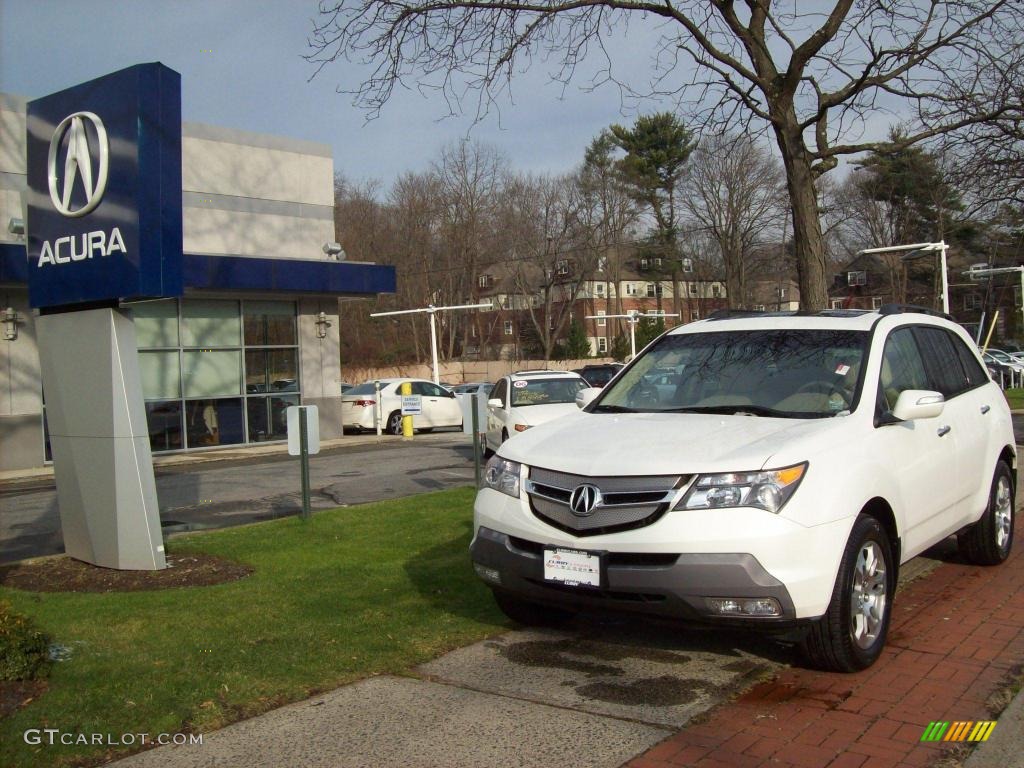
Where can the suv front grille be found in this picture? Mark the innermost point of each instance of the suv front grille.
(627, 502)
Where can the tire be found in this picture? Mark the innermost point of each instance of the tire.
(394, 423)
(988, 541)
(504, 436)
(849, 638)
(484, 448)
(531, 614)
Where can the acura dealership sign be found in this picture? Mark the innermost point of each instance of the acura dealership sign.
(104, 203)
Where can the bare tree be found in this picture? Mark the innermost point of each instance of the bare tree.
(554, 251)
(609, 210)
(811, 78)
(734, 192)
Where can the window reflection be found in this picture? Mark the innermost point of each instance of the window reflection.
(214, 422)
(164, 421)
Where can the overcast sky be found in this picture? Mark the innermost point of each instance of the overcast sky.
(242, 67)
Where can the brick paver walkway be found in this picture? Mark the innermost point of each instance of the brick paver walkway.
(956, 633)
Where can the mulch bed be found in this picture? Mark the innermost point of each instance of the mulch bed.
(15, 694)
(63, 574)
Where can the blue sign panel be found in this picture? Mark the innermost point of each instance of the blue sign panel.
(104, 200)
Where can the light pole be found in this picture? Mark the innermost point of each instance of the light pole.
(940, 246)
(431, 310)
(632, 317)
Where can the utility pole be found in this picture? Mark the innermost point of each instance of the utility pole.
(633, 317)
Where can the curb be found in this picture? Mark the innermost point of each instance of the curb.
(1006, 745)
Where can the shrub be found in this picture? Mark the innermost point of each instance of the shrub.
(23, 648)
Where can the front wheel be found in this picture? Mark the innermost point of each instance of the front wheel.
(989, 540)
(851, 634)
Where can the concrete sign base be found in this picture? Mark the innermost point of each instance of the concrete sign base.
(99, 439)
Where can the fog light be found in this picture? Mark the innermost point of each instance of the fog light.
(739, 606)
(490, 575)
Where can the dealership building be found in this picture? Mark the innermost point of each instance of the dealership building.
(256, 328)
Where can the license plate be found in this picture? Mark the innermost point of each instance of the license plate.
(572, 567)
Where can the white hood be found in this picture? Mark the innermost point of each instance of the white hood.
(535, 415)
(602, 444)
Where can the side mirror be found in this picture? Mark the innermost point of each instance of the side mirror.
(586, 396)
(918, 404)
(494, 402)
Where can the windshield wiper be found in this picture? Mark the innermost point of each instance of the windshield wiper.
(753, 410)
(614, 409)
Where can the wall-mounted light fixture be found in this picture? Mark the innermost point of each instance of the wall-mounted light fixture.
(10, 319)
(334, 251)
(322, 324)
(16, 226)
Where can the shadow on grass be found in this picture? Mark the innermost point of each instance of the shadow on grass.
(444, 576)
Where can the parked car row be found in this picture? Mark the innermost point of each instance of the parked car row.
(515, 403)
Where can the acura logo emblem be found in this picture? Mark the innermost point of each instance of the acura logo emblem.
(585, 499)
(78, 163)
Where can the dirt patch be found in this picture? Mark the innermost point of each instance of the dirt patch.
(64, 574)
(15, 694)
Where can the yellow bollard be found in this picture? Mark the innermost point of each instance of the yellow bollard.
(407, 420)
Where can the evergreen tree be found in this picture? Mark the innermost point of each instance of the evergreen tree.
(577, 346)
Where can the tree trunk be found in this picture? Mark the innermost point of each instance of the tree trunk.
(808, 242)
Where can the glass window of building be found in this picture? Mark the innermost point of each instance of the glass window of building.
(216, 372)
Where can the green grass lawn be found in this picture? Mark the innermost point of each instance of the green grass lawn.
(354, 592)
(1015, 397)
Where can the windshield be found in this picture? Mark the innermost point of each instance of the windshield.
(545, 391)
(786, 373)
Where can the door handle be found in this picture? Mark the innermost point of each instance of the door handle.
(944, 430)
(985, 409)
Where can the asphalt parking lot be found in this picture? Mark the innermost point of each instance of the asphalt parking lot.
(221, 493)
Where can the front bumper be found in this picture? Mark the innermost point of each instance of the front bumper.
(665, 585)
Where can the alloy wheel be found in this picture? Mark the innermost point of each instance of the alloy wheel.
(868, 595)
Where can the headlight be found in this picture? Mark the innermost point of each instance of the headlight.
(503, 475)
(769, 490)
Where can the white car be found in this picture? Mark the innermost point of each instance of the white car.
(526, 399)
(360, 407)
(798, 461)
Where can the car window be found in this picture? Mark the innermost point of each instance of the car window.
(545, 391)
(902, 368)
(974, 373)
(366, 388)
(433, 390)
(945, 371)
(792, 373)
(499, 391)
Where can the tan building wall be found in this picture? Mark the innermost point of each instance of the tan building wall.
(459, 372)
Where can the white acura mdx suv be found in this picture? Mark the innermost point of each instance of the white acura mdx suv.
(796, 463)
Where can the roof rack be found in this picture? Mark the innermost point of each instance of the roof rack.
(725, 314)
(899, 309)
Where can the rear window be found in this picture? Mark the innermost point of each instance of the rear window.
(365, 389)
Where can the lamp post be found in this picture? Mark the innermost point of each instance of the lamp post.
(632, 317)
(925, 248)
(431, 310)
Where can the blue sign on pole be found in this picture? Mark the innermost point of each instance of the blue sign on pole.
(104, 200)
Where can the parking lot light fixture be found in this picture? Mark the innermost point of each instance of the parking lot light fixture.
(431, 310)
(922, 249)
